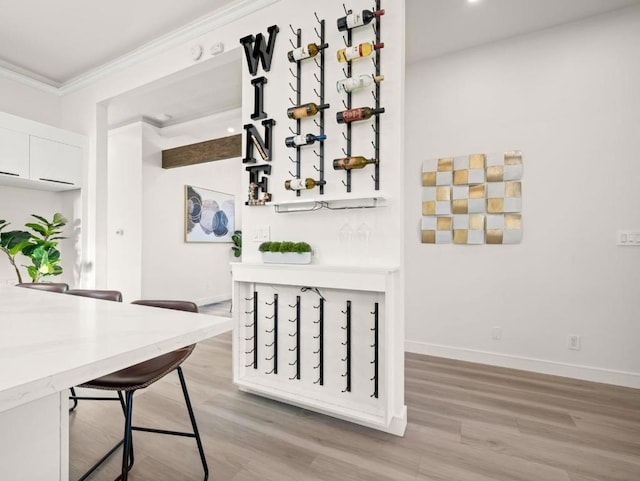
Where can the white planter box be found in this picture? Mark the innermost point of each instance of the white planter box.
(286, 257)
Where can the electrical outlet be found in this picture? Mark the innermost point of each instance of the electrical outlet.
(496, 333)
(573, 342)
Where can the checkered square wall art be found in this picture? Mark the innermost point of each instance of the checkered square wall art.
(472, 199)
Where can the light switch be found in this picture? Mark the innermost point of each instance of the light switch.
(260, 234)
(628, 238)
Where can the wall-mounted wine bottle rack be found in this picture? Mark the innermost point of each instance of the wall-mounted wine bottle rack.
(320, 338)
(376, 347)
(274, 332)
(296, 336)
(330, 351)
(376, 96)
(254, 326)
(376, 122)
(347, 344)
(321, 96)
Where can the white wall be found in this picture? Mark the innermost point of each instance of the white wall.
(29, 102)
(199, 272)
(569, 99)
(147, 255)
(124, 219)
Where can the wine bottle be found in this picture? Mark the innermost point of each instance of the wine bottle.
(358, 51)
(352, 83)
(354, 20)
(353, 115)
(296, 141)
(306, 51)
(300, 184)
(349, 163)
(305, 110)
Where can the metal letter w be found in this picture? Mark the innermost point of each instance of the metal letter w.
(255, 48)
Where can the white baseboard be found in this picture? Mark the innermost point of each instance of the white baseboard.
(586, 373)
(212, 300)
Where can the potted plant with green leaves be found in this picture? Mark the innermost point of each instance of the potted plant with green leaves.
(236, 238)
(285, 252)
(38, 245)
(12, 243)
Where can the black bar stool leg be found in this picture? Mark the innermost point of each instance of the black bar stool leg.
(75, 401)
(122, 403)
(124, 412)
(126, 449)
(193, 423)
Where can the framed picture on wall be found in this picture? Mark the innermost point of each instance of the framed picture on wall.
(209, 215)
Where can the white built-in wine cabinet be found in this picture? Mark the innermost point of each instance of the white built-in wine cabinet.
(319, 337)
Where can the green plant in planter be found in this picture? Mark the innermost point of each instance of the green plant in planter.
(42, 248)
(284, 247)
(274, 246)
(12, 243)
(39, 246)
(237, 243)
(264, 247)
(301, 247)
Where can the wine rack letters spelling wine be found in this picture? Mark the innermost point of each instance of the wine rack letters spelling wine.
(258, 51)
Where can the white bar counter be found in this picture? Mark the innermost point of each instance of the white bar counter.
(50, 342)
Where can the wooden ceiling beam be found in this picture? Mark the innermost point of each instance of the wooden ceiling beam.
(207, 151)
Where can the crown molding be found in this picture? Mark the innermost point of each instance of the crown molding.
(29, 81)
(184, 34)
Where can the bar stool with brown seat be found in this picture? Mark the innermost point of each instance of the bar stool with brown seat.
(140, 376)
(45, 286)
(105, 295)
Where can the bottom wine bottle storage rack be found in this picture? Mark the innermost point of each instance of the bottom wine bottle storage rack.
(320, 339)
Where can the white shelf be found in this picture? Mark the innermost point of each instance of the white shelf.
(375, 279)
(332, 203)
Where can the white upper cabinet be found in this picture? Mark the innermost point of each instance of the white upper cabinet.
(14, 153)
(39, 156)
(55, 162)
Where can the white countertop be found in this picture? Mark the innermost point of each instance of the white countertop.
(50, 341)
(358, 278)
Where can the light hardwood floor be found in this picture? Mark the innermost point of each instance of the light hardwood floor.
(467, 422)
